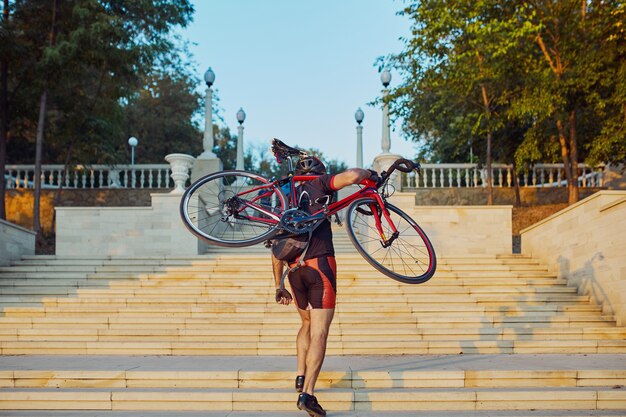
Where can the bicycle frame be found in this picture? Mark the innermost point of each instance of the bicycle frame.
(369, 190)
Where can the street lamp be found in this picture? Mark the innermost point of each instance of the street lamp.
(132, 141)
(241, 117)
(359, 116)
(208, 140)
(385, 78)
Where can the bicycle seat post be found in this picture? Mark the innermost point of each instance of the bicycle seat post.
(290, 164)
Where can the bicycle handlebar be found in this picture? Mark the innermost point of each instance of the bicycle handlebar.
(403, 165)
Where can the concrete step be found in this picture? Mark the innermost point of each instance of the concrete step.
(456, 413)
(336, 399)
(387, 347)
(449, 383)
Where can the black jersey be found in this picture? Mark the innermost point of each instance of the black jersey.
(310, 194)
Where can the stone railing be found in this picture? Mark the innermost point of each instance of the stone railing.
(91, 176)
(470, 175)
(432, 176)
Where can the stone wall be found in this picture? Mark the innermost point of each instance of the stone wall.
(125, 231)
(585, 244)
(501, 196)
(15, 242)
(19, 203)
(457, 231)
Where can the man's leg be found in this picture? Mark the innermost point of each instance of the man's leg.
(303, 339)
(320, 324)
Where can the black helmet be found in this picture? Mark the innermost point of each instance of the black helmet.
(310, 165)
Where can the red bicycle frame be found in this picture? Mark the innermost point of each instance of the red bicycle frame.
(368, 190)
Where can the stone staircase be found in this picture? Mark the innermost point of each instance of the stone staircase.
(486, 335)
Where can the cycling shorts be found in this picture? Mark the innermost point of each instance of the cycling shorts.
(314, 284)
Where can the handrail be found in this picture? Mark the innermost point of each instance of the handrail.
(471, 175)
(91, 176)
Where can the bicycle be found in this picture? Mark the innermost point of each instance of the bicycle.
(238, 209)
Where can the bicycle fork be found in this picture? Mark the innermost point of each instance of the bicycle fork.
(379, 226)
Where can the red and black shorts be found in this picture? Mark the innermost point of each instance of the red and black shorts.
(314, 284)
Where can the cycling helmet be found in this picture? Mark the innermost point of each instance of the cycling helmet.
(310, 165)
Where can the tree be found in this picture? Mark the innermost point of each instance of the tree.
(110, 47)
(4, 105)
(549, 71)
(162, 115)
(457, 85)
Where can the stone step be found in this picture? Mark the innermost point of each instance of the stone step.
(336, 399)
(455, 413)
(349, 334)
(388, 347)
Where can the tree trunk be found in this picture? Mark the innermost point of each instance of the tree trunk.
(43, 103)
(4, 117)
(38, 151)
(489, 173)
(487, 107)
(569, 161)
(573, 154)
(518, 199)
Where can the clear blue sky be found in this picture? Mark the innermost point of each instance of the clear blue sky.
(300, 69)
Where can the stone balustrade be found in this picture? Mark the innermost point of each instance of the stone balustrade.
(91, 176)
(471, 175)
(431, 176)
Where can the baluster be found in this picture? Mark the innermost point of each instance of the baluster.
(551, 177)
(475, 177)
(142, 178)
(150, 178)
(499, 177)
(584, 176)
(100, 180)
(442, 177)
(51, 177)
(468, 181)
(543, 177)
(558, 177)
(83, 178)
(450, 180)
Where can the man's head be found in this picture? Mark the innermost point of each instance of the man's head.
(310, 165)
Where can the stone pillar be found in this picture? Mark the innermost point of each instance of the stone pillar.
(207, 162)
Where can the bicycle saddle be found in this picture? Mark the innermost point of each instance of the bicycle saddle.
(282, 150)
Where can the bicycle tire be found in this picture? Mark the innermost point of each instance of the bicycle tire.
(207, 208)
(409, 259)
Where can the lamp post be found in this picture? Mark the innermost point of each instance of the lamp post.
(359, 116)
(241, 117)
(132, 141)
(385, 78)
(208, 140)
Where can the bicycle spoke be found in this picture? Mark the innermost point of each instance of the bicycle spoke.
(407, 256)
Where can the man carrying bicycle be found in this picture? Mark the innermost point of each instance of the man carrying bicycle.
(314, 282)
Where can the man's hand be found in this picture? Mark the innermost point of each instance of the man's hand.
(283, 297)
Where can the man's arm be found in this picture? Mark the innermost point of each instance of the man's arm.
(349, 177)
(282, 297)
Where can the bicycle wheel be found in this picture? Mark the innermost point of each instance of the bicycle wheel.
(233, 208)
(410, 258)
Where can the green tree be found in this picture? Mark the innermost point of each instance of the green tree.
(457, 84)
(547, 72)
(162, 116)
(75, 64)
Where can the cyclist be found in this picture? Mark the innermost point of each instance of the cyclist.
(314, 283)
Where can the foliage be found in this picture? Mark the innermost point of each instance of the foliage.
(106, 56)
(543, 79)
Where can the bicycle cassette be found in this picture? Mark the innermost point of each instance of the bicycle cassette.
(294, 221)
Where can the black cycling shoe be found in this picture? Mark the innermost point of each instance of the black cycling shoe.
(309, 404)
(299, 383)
